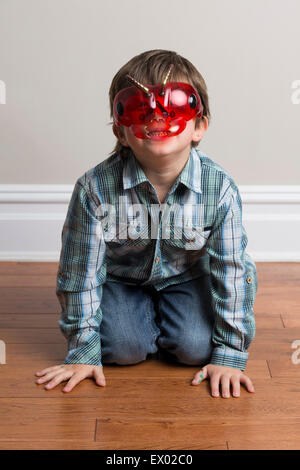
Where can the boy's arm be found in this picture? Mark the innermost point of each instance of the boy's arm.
(233, 284)
(81, 274)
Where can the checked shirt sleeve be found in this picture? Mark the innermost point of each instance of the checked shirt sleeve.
(80, 276)
(233, 285)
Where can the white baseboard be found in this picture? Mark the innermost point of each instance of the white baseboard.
(32, 216)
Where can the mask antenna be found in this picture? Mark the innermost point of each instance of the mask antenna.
(165, 81)
(139, 85)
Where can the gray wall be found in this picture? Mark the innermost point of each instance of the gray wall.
(58, 57)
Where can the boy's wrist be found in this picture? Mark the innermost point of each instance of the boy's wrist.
(229, 357)
(82, 361)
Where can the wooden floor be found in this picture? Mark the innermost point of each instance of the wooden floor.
(150, 405)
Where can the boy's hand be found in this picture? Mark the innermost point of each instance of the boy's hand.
(75, 372)
(224, 376)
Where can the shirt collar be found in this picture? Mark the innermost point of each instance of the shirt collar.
(190, 176)
(132, 172)
(191, 173)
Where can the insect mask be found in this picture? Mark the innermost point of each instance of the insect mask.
(156, 112)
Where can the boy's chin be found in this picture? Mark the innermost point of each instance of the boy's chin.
(163, 141)
(162, 145)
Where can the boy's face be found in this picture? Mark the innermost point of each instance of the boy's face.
(153, 148)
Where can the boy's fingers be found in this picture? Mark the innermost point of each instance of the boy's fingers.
(199, 376)
(74, 380)
(225, 382)
(48, 369)
(214, 385)
(246, 381)
(235, 386)
(99, 378)
(47, 377)
(56, 380)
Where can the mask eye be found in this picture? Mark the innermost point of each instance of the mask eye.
(178, 98)
(120, 108)
(193, 101)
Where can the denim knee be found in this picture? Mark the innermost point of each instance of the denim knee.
(193, 352)
(125, 352)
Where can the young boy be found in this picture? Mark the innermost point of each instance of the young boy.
(153, 248)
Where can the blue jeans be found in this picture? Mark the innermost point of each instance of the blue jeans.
(175, 322)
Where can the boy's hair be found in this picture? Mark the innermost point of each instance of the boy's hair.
(151, 67)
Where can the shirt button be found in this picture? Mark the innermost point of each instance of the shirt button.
(157, 260)
(249, 280)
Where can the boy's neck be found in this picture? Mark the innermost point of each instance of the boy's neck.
(162, 172)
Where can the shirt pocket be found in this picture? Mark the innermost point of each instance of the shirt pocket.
(189, 238)
(123, 239)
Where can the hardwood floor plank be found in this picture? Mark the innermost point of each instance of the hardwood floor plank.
(291, 320)
(32, 335)
(28, 268)
(174, 434)
(285, 367)
(277, 273)
(35, 354)
(284, 335)
(279, 436)
(273, 401)
(28, 281)
(269, 350)
(269, 304)
(265, 320)
(32, 419)
(154, 434)
(82, 445)
(28, 320)
(28, 300)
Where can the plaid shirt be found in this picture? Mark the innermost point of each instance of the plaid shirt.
(197, 231)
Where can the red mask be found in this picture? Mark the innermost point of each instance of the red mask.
(156, 112)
